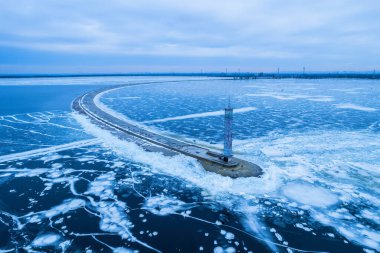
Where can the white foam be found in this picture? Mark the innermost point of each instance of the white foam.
(201, 115)
(355, 107)
(309, 194)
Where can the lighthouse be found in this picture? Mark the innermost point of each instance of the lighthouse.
(228, 120)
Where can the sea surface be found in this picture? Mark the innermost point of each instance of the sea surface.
(66, 185)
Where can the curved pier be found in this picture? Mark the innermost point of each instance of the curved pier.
(154, 142)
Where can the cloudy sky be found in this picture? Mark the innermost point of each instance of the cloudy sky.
(55, 36)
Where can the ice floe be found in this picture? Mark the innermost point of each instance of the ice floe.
(163, 205)
(356, 107)
(201, 115)
(46, 240)
(280, 96)
(309, 194)
(43, 151)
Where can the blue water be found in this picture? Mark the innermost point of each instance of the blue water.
(43, 98)
(67, 186)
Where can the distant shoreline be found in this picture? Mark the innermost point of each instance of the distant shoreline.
(232, 75)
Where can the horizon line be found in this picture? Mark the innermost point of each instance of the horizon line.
(260, 74)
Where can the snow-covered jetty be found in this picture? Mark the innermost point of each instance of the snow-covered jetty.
(155, 142)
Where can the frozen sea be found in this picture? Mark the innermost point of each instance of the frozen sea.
(67, 185)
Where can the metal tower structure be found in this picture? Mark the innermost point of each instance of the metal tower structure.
(228, 119)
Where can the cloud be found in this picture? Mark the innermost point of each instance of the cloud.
(309, 33)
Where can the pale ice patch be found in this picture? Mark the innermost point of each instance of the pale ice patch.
(6, 250)
(113, 218)
(366, 237)
(349, 90)
(368, 167)
(229, 236)
(162, 205)
(29, 172)
(129, 97)
(102, 186)
(65, 207)
(44, 151)
(123, 250)
(112, 212)
(122, 98)
(301, 226)
(273, 151)
(280, 96)
(289, 96)
(46, 240)
(372, 216)
(201, 115)
(308, 194)
(226, 250)
(321, 99)
(356, 107)
(253, 224)
(6, 175)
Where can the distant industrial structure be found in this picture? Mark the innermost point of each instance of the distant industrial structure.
(300, 75)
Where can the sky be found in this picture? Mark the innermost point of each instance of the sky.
(123, 36)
